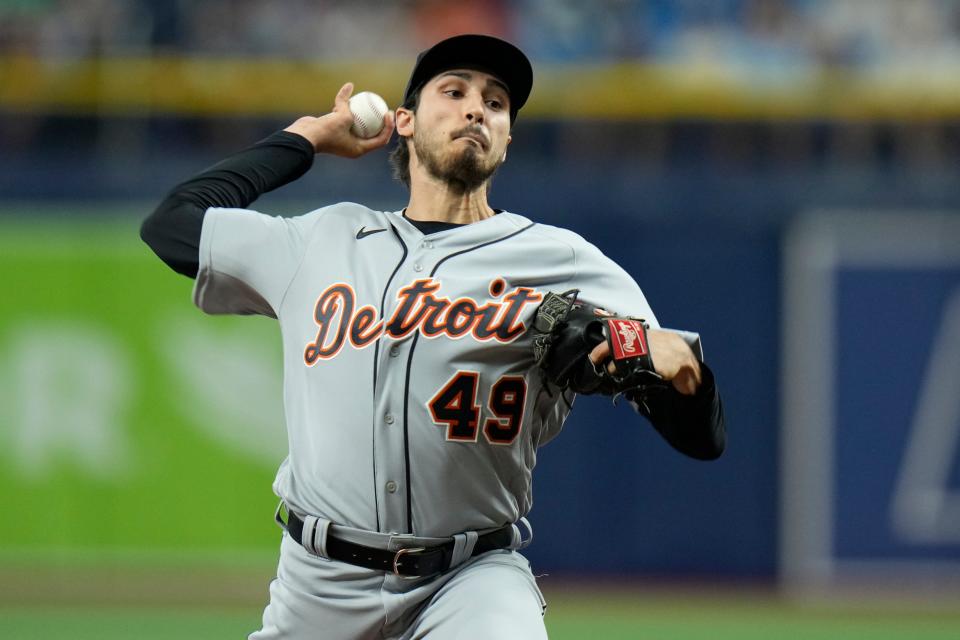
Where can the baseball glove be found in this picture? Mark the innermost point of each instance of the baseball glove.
(566, 330)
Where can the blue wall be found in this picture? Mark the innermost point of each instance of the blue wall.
(610, 494)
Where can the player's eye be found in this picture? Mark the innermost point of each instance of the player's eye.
(454, 93)
(496, 105)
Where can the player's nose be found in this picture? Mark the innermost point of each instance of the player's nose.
(473, 108)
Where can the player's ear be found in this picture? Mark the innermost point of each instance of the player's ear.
(405, 122)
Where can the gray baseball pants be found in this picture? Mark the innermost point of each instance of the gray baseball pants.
(493, 595)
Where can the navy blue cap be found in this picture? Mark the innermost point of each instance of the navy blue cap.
(484, 53)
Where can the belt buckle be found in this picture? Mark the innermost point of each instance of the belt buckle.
(399, 554)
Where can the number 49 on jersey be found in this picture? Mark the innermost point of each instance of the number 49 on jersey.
(455, 407)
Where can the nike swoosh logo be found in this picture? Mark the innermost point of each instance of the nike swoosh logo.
(363, 233)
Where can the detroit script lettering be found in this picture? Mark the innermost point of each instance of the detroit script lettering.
(420, 309)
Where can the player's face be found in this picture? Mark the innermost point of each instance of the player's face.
(462, 127)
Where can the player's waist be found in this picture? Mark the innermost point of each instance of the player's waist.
(401, 554)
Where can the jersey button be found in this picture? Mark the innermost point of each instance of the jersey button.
(418, 267)
(391, 487)
(388, 418)
(428, 245)
(394, 351)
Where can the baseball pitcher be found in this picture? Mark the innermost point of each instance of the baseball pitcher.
(428, 353)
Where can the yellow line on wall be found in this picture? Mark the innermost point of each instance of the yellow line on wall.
(230, 86)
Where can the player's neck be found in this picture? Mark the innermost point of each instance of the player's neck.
(435, 200)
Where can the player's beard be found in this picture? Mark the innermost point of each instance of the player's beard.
(464, 170)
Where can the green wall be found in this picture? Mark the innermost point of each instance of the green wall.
(129, 420)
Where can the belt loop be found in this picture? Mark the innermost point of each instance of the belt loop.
(314, 537)
(518, 541)
(278, 518)
(463, 544)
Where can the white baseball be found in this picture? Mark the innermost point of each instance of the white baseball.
(368, 110)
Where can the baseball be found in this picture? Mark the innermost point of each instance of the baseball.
(368, 110)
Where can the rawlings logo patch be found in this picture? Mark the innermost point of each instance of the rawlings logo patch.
(628, 338)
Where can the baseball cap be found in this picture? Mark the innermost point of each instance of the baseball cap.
(484, 53)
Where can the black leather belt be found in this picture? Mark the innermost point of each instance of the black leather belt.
(410, 562)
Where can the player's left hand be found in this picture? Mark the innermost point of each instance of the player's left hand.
(672, 359)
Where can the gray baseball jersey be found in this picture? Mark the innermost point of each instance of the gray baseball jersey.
(412, 401)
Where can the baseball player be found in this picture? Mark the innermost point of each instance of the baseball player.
(413, 400)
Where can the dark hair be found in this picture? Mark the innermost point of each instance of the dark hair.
(400, 156)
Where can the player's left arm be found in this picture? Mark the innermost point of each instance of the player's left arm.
(688, 412)
(692, 424)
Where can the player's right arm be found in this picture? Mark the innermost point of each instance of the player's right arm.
(174, 228)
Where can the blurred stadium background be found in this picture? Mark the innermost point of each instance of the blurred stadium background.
(780, 174)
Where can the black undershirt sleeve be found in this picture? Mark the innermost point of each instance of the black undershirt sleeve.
(693, 425)
(173, 229)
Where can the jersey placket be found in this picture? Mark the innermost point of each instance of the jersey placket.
(391, 395)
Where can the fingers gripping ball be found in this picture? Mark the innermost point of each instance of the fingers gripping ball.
(368, 111)
(566, 330)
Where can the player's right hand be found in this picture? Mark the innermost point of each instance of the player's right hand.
(330, 133)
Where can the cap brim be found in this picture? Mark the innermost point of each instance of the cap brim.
(473, 51)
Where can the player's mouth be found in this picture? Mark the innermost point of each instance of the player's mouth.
(473, 135)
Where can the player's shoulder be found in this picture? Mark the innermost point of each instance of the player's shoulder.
(339, 217)
(560, 236)
(351, 211)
